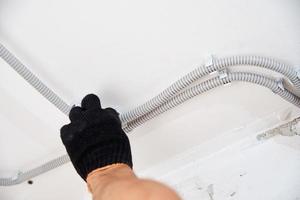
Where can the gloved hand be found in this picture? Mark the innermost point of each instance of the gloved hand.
(95, 138)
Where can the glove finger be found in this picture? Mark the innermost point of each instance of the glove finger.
(90, 101)
(76, 114)
(111, 111)
(113, 115)
(66, 135)
(69, 131)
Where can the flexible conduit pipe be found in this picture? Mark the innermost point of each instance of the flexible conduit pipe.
(164, 101)
(24, 176)
(165, 95)
(210, 84)
(180, 98)
(216, 64)
(10, 59)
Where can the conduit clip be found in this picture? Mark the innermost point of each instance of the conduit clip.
(223, 76)
(222, 73)
(279, 82)
(16, 175)
(297, 69)
(209, 63)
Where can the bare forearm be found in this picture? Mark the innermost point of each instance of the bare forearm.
(119, 182)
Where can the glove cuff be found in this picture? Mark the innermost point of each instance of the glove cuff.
(117, 150)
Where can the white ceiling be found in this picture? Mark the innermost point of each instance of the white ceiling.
(127, 52)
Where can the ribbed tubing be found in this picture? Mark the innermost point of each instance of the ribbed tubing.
(166, 100)
(210, 84)
(175, 101)
(23, 176)
(21, 69)
(217, 64)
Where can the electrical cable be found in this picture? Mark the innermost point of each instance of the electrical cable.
(169, 98)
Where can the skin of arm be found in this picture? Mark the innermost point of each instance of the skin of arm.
(118, 182)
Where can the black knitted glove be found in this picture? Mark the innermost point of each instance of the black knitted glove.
(94, 138)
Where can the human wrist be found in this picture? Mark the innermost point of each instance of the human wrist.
(101, 177)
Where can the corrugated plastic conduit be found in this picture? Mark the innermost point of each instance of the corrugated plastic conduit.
(174, 95)
(11, 60)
